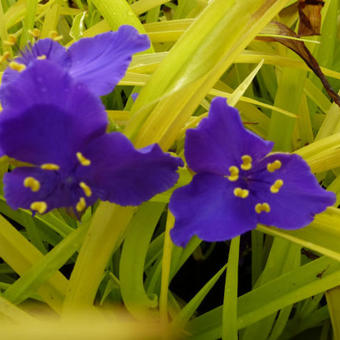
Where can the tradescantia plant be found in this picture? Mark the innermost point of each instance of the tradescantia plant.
(109, 201)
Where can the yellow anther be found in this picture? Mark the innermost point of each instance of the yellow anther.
(41, 57)
(50, 166)
(234, 171)
(247, 162)
(11, 41)
(81, 205)
(259, 207)
(40, 207)
(83, 160)
(4, 57)
(32, 183)
(87, 190)
(275, 188)
(276, 165)
(16, 66)
(55, 36)
(242, 193)
(35, 32)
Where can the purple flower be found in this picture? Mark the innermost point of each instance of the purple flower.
(98, 62)
(58, 126)
(237, 184)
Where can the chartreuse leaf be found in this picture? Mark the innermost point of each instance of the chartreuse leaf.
(14, 313)
(316, 95)
(51, 20)
(320, 146)
(281, 128)
(229, 314)
(50, 221)
(321, 235)
(117, 13)
(166, 264)
(330, 123)
(301, 283)
(31, 8)
(257, 255)
(151, 61)
(131, 267)
(283, 257)
(46, 267)
(190, 308)
(3, 29)
(77, 28)
(193, 66)
(238, 93)
(178, 257)
(20, 254)
(142, 6)
(109, 225)
(333, 303)
(298, 325)
(304, 125)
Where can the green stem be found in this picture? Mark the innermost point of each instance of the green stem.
(166, 262)
(229, 316)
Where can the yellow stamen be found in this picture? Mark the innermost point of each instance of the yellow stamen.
(35, 32)
(242, 193)
(32, 183)
(40, 207)
(55, 36)
(234, 171)
(4, 57)
(275, 188)
(83, 160)
(247, 160)
(16, 66)
(81, 205)
(276, 165)
(41, 57)
(50, 166)
(12, 39)
(87, 190)
(259, 207)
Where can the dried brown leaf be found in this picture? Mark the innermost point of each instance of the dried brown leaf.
(310, 17)
(299, 48)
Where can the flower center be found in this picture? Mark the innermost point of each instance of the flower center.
(244, 180)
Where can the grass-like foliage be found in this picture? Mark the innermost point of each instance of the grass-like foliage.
(112, 271)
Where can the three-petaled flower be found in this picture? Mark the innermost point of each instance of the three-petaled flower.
(99, 62)
(58, 126)
(237, 184)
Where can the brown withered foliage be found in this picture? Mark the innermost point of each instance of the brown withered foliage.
(300, 48)
(310, 17)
